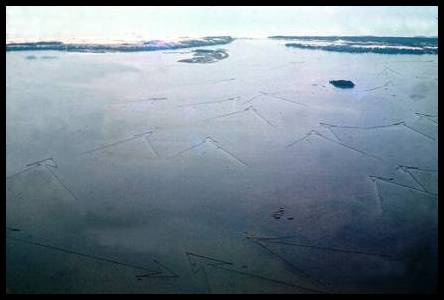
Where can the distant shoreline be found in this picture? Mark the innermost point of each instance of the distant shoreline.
(121, 47)
(364, 44)
(347, 44)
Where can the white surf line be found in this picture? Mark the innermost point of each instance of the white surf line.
(283, 99)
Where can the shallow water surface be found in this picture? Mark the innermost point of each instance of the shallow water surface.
(168, 177)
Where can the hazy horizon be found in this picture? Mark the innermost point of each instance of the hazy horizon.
(150, 23)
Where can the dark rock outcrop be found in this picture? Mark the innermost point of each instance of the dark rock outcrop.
(343, 84)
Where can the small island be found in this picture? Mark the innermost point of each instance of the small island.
(205, 56)
(342, 84)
